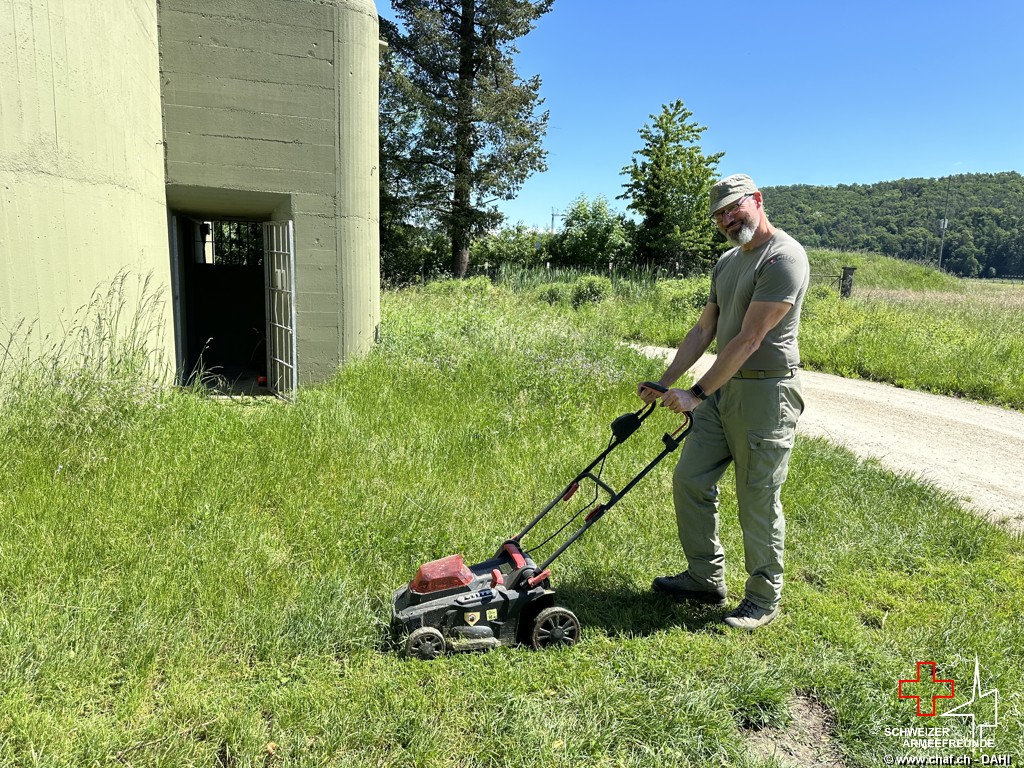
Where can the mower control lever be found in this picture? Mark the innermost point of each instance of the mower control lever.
(628, 423)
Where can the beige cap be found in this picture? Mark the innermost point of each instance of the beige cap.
(730, 189)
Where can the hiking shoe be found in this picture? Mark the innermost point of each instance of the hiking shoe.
(684, 587)
(750, 616)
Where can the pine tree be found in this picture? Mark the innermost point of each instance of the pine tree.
(477, 134)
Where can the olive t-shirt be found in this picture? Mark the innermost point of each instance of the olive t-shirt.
(778, 270)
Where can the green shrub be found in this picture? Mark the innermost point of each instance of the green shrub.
(517, 245)
(678, 297)
(820, 292)
(592, 235)
(410, 254)
(590, 289)
(553, 293)
(480, 285)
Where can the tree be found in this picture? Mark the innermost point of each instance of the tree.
(668, 187)
(592, 235)
(962, 253)
(406, 242)
(476, 134)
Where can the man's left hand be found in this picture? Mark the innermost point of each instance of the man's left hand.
(680, 400)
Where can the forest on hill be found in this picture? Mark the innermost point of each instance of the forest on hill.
(984, 214)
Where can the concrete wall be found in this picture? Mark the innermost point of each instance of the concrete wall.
(81, 157)
(280, 96)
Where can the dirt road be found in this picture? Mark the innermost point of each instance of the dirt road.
(975, 452)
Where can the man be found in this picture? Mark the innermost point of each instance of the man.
(745, 408)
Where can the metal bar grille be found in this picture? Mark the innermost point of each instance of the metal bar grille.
(279, 263)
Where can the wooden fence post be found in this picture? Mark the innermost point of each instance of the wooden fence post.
(846, 282)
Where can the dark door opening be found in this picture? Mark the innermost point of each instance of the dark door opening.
(221, 303)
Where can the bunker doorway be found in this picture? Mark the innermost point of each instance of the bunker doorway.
(234, 304)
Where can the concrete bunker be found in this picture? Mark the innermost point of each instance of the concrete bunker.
(233, 117)
(270, 127)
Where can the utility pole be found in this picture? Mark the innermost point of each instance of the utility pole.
(553, 214)
(945, 221)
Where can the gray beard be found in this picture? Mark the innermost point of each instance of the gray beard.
(745, 235)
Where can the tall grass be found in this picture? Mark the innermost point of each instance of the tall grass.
(90, 379)
(208, 584)
(876, 271)
(116, 336)
(906, 324)
(966, 344)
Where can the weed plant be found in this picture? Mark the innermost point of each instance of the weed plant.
(208, 583)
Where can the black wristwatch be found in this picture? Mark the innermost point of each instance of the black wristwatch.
(698, 391)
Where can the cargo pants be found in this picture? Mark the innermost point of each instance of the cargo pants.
(751, 422)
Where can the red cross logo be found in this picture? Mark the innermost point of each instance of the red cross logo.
(926, 682)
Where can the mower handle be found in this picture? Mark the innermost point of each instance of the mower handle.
(648, 407)
(654, 386)
(624, 426)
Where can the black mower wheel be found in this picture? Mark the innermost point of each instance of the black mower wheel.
(425, 643)
(555, 627)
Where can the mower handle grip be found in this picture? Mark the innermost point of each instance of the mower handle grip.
(652, 385)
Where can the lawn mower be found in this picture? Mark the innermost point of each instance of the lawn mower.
(450, 606)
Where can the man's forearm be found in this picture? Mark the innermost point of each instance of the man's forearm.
(760, 318)
(727, 363)
(689, 351)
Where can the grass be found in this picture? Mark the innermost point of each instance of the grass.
(966, 344)
(906, 324)
(189, 582)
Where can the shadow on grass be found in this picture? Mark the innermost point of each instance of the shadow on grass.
(619, 611)
(625, 612)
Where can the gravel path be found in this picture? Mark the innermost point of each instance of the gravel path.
(973, 451)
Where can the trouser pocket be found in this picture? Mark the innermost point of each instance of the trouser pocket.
(768, 462)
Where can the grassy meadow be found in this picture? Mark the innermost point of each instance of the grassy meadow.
(905, 324)
(186, 581)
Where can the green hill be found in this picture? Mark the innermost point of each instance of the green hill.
(984, 211)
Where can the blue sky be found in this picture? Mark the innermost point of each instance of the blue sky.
(793, 92)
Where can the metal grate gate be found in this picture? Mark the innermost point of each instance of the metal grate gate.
(279, 263)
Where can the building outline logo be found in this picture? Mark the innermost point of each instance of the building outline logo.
(977, 729)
